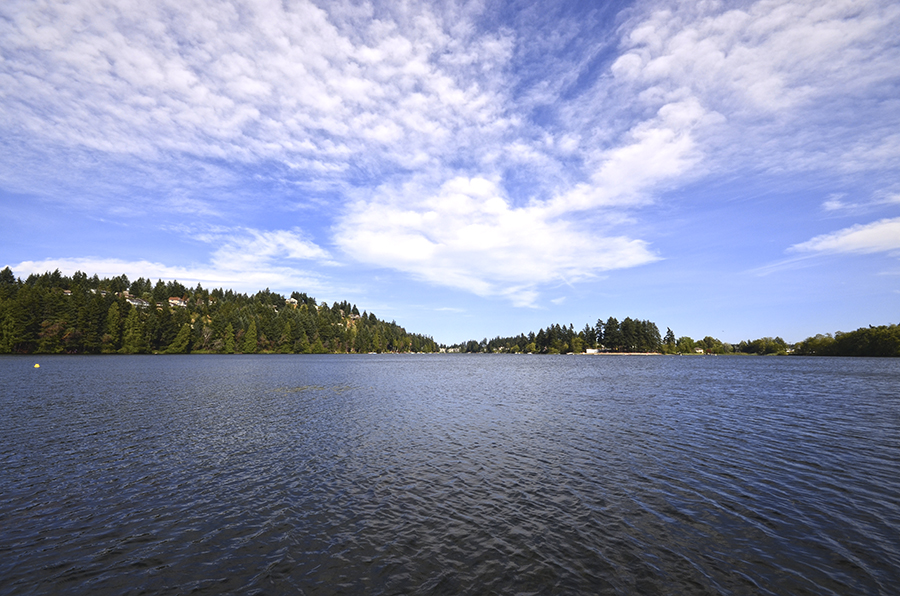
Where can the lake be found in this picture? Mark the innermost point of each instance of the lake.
(449, 474)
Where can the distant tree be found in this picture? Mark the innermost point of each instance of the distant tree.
(250, 339)
(112, 338)
(301, 344)
(160, 292)
(577, 345)
(229, 339)
(182, 341)
(589, 336)
(286, 340)
(8, 285)
(684, 345)
(669, 340)
(134, 340)
(612, 335)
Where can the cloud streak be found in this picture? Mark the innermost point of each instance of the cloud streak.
(878, 236)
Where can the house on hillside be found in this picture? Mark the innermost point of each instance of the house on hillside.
(137, 302)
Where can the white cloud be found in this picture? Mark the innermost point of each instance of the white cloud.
(836, 203)
(245, 81)
(250, 281)
(245, 249)
(242, 259)
(788, 77)
(879, 236)
(467, 236)
(413, 116)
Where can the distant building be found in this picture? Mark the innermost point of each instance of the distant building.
(179, 302)
(137, 302)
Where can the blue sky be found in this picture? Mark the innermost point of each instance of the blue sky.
(468, 169)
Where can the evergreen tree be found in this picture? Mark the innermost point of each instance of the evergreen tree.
(182, 341)
(229, 339)
(670, 340)
(612, 336)
(250, 340)
(286, 340)
(301, 345)
(134, 340)
(8, 284)
(112, 339)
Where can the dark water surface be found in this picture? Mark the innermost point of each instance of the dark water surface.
(449, 475)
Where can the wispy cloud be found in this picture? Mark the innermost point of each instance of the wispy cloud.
(879, 236)
(837, 203)
(242, 259)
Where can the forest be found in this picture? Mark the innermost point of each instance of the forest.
(638, 336)
(626, 336)
(56, 314)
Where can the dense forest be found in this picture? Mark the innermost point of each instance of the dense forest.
(634, 335)
(56, 314)
(628, 336)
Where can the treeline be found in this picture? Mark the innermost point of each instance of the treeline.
(630, 335)
(635, 335)
(56, 314)
(866, 341)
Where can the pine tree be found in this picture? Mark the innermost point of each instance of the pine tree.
(134, 340)
(182, 341)
(229, 339)
(250, 339)
(112, 339)
(286, 341)
(301, 346)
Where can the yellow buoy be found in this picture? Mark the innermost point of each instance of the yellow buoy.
(37, 365)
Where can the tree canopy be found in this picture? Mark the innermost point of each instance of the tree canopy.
(56, 314)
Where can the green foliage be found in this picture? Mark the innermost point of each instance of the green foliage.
(229, 339)
(669, 342)
(181, 342)
(765, 346)
(112, 339)
(882, 341)
(52, 313)
(638, 336)
(250, 339)
(135, 339)
(684, 345)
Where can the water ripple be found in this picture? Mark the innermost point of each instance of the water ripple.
(450, 475)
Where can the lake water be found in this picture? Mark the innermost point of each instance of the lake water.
(454, 474)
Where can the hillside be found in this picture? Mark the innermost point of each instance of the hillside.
(56, 314)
